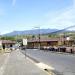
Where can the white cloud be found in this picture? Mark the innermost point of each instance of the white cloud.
(13, 2)
(65, 18)
(74, 3)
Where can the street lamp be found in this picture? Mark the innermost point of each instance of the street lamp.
(38, 35)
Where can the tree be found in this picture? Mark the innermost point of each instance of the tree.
(33, 36)
(8, 38)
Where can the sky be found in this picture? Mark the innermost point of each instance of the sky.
(18, 15)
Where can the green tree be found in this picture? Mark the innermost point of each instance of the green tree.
(33, 36)
(7, 38)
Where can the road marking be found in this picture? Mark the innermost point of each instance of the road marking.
(40, 64)
(35, 49)
(2, 68)
(44, 66)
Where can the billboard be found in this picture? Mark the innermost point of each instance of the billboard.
(24, 41)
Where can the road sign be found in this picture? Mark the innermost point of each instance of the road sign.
(24, 41)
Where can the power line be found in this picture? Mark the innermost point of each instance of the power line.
(62, 29)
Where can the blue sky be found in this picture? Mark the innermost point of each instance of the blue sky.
(28, 14)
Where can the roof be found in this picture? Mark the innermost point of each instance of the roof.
(7, 42)
(43, 40)
(48, 39)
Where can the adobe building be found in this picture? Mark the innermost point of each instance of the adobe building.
(34, 43)
(5, 44)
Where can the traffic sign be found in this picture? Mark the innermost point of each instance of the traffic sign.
(24, 41)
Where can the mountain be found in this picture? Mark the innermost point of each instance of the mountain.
(28, 32)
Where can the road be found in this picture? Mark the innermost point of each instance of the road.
(15, 63)
(64, 63)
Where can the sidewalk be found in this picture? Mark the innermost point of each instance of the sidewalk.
(18, 65)
(2, 58)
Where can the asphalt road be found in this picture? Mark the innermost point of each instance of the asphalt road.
(14, 63)
(64, 63)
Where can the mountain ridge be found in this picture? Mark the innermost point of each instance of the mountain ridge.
(30, 32)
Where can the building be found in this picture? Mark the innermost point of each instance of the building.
(5, 44)
(34, 43)
(46, 43)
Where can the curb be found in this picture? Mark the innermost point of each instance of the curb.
(48, 69)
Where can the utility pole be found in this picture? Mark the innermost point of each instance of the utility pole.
(38, 36)
(39, 39)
